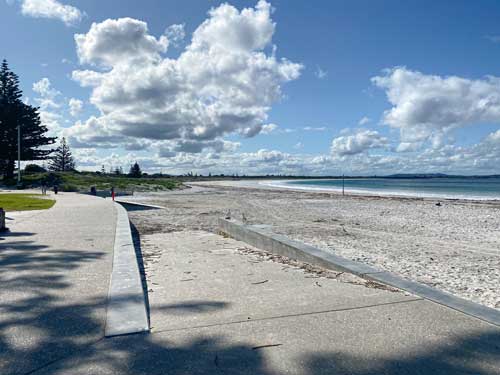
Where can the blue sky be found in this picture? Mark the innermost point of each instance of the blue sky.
(438, 60)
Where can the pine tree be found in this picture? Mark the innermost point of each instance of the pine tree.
(62, 161)
(135, 170)
(14, 113)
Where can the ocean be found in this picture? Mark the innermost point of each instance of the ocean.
(454, 188)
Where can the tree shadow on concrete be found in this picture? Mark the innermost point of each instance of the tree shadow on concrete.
(477, 354)
(36, 320)
(196, 352)
(42, 327)
(42, 332)
(8, 233)
(194, 307)
(26, 255)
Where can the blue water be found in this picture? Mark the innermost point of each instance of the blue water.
(465, 188)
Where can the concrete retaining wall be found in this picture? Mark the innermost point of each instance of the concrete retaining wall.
(281, 245)
(126, 311)
(263, 238)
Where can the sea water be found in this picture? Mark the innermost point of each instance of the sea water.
(459, 188)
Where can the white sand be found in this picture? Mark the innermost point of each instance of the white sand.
(455, 247)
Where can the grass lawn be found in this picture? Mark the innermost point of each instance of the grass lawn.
(24, 202)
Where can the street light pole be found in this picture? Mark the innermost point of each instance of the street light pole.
(343, 184)
(18, 155)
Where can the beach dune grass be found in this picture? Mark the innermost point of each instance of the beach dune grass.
(83, 181)
(24, 202)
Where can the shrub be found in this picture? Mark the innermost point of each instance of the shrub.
(34, 168)
(68, 187)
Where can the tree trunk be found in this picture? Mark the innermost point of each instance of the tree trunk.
(9, 168)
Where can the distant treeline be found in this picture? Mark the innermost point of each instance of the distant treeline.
(438, 175)
(190, 177)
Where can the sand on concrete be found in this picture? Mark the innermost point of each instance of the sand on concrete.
(454, 247)
(219, 306)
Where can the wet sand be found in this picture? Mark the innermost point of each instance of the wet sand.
(454, 247)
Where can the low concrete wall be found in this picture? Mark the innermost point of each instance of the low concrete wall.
(126, 311)
(263, 238)
(281, 245)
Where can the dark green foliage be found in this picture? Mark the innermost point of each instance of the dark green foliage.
(68, 187)
(83, 181)
(34, 168)
(14, 113)
(62, 161)
(135, 171)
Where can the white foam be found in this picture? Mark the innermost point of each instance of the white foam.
(374, 192)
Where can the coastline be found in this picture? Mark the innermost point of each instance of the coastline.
(373, 192)
(281, 185)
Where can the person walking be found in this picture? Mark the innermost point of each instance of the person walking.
(56, 189)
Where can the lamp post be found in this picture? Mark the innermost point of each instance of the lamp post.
(18, 155)
(343, 184)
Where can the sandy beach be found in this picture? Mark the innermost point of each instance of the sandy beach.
(454, 247)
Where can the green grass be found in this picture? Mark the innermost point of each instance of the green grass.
(24, 202)
(82, 181)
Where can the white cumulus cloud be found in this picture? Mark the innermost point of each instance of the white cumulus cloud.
(47, 99)
(429, 107)
(175, 34)
(223, 82)
(75, 106)
(68, 14)
(118, 42)
(361, 141)
(480, 158)
(268, 128)
(47, 94)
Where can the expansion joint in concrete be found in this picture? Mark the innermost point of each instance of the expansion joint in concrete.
(61, 358)
(284, 316)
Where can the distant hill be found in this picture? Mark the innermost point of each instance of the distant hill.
(436, 175)
(419, 175)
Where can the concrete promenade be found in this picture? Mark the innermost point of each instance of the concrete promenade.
(216, 305)
(54, 278)
(215, 308)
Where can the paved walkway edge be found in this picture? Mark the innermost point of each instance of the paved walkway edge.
(263, 238)
(126, 311)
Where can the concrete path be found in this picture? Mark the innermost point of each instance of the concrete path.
(54, 277)
(216, 307)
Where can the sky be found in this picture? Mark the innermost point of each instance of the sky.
(360, 87)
